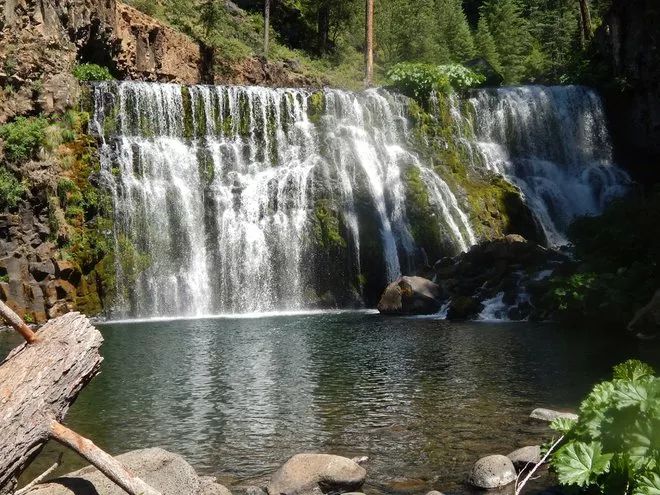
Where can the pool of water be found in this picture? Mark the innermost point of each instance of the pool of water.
(422, 398)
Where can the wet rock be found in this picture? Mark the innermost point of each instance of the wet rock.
(525, 456)
(463, 308)
(314, 473)
(411, 295)
(549, 415)
(166, 472)
(493, 471)
(646, 323)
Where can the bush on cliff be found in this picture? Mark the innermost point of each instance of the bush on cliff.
(91, 72)
(23, 137)
(420, 81)
(11, 189)
(614, 446)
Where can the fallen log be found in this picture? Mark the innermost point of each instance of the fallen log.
(39, 380)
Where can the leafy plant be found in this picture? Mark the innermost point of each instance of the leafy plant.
(614, 446)
(11, 189)
(23, 137)
(92, 72)
(420, 81)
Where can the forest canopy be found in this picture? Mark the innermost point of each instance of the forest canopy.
(544, 41)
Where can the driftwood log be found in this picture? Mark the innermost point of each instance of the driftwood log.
(39, 381)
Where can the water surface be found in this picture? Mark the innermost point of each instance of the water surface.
(422, 398)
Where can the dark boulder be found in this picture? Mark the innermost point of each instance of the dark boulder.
(464, 308)
(411, 295)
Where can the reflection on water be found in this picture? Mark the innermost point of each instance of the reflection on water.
(422, 398)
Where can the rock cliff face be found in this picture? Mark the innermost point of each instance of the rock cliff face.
(630, 43)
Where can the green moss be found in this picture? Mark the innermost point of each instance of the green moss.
(326, 229)
(494, 206)
(316, 106)
(189, 130)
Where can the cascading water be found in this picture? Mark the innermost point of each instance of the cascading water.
(241, 199)
(551, 142)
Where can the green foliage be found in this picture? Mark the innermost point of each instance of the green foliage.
(620, 263)
(11, 189)
(485, 45)
(420, 81)
(91, 72)
(23, 137)
(4, 278)
(614, 446)
(326, 228)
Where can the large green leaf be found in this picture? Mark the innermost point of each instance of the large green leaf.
(632, 370)
(632, 393)
(647, 484)
(563, 425)
(579, 463)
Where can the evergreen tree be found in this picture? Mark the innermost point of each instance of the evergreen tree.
(453, 30)
(485, 45)
(510, 31)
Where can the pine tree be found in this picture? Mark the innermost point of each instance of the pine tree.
(513, 40)
(453, 30)
(485, 45)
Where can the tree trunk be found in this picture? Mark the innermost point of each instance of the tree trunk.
(369, 44)
(266, 26)
(323, 26)
(39, 381)
(585, 17)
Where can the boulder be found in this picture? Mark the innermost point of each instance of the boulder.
(167, 472)
(549, 415)
(411, 295)
(525, 457)
(315, 473)
(463, 308)
(493, 471)
(255, 490)
(646, 323)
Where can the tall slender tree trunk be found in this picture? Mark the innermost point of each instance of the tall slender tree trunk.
(585, 16)
(323, 26)
(369, 44)
(266, 26)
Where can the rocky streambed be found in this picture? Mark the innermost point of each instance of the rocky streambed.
(302, 474)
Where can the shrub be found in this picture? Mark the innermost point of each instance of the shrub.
(23, 137)
(614, 446)
(11, 190)
(91, 72)
(419, 80)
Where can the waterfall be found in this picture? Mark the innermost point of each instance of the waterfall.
(553, 144)
(245, 199)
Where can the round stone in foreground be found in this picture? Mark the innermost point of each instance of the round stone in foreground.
(493, 471)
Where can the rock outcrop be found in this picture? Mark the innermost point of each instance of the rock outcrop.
(166, 472)
(629, 43)
(316, 474)
(646, 323)
(507, 272)
(411, 295)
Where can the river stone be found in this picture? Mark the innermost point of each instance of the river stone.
(549, 415)
(525, 456)
(166, 472)
(255, 490)
(493, 471)
(435, 492)
(411, 295)
(315, 473)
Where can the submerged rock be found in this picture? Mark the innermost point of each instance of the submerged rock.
(411, 295)
(550, 415)
(646, 323)
(316, 473)
(493, 471)
(525, 457)
(463, 308)
(166, 472)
